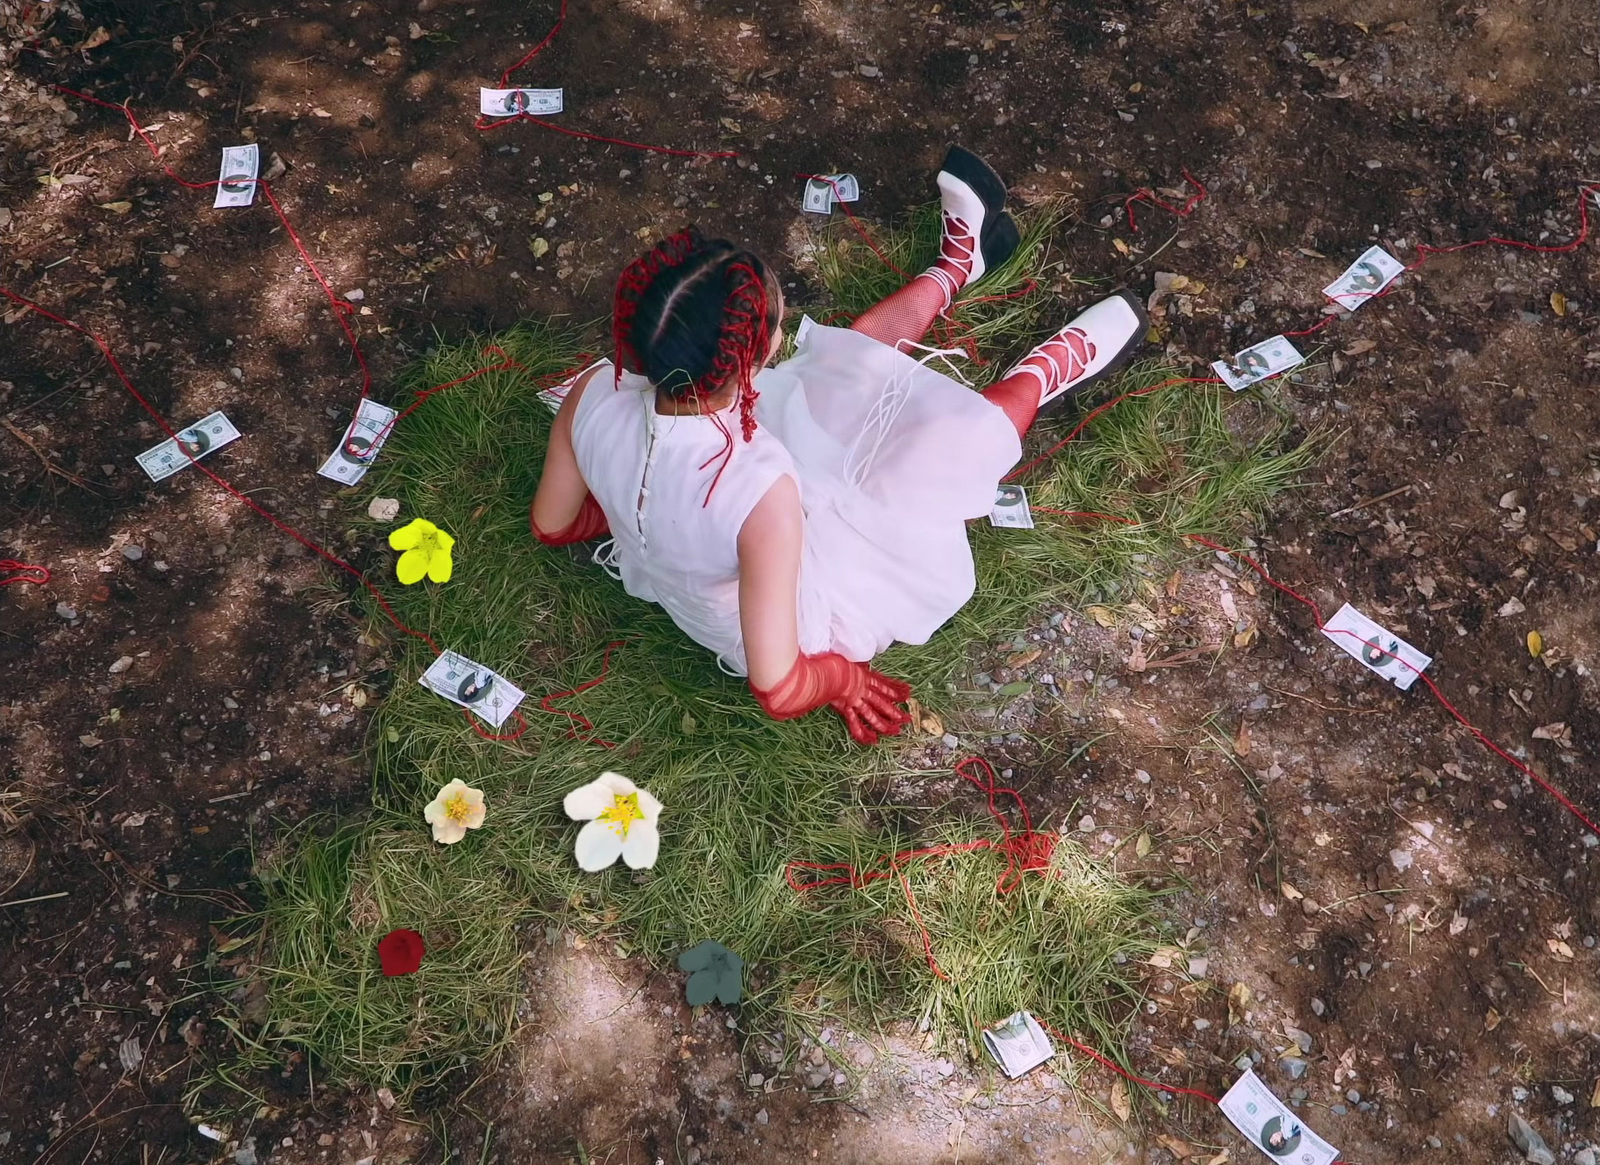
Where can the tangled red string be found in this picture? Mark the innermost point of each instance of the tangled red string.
(484, 124)
(1145, 194)
(12, 571)
(579, 720)
(1027, 850)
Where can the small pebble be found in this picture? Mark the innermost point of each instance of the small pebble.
(132, 552)
(66, 612)
(869, 70)
(121, 665)
(757, 1080)
(1338, 1109)
(383, 509)
(1561, 1095)
(761, 1117)
(1353, 1096)
(355, 295)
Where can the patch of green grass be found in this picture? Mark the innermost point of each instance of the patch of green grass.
(744, 795)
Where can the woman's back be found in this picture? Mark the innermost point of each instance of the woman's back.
(676, 491)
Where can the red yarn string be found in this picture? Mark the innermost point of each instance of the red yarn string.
(1145, 194)
(484, 124)
(579, 720)
(22, 572)
(1027, 850)
(1476, 732)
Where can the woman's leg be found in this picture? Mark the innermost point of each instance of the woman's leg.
(1088, 349)
(978, 236)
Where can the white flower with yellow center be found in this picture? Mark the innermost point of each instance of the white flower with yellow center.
(621, 823)
(456, 809)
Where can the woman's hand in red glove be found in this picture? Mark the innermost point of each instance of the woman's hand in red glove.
(866, 700)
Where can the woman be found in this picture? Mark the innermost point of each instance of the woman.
(799, 536)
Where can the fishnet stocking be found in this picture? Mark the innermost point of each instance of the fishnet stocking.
(905, 315)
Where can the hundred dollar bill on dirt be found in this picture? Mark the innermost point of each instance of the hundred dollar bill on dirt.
(206, 435)
(485, 694)
(1364, 278)
(1258, 362)
(1018, 1045)
(511, 102)
(236, 185)
(1270, 1125)
(359, 446)
(1376, 649)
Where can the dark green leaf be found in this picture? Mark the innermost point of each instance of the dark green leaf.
(701, 988)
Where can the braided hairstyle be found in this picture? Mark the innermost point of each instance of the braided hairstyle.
(694, 315)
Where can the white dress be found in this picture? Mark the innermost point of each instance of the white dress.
(891, 458)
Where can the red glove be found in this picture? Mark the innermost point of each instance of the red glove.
(867, 700)
(590, 523)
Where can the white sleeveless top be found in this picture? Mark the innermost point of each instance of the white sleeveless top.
(891, 457)
(676, 537)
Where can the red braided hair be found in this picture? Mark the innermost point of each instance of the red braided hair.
(634, 281)
(744, 324)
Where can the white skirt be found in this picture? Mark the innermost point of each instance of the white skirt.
(894, 459)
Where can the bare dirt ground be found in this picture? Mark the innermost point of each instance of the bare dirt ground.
(1415, 924)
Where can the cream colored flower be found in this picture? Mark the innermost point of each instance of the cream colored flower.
(456, 809)
(621, 823)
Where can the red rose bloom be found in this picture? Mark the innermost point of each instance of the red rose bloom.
(400, 952)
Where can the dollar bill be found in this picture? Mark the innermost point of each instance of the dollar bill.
(1258, 362)
(511, 102)
(824, 190)
(1364, 278)
(359, 446)
(1011, 509)
(205, 436)
(803, 330)
(1269, 1125)
(1018, 1045)
(845, 187)
(236, 185)
(1375, 648)
(818, 197)
(488, 696)
(556, 394)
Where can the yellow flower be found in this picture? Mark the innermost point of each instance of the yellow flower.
(621, 823)
(456, 809)
(427, 552)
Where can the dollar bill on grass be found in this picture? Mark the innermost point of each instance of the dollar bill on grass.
(1269, 1124)
(488, 696)
(236, 185)
(1011, 509)
(1376, 649)
(359, 446)
(1018, 1045)
(511, 102)
(206, 435)
(556, 394)
(1364, 278)
(1258, 362)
